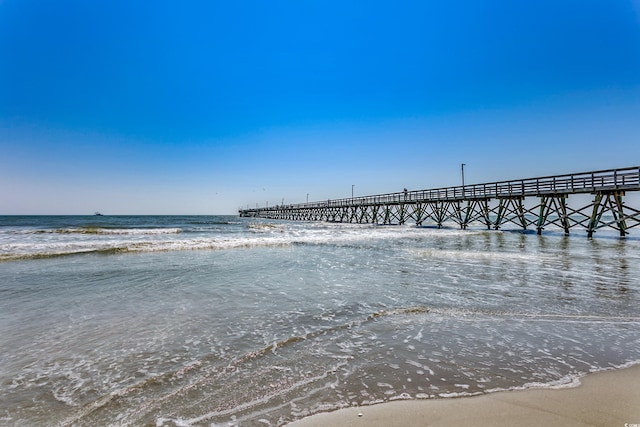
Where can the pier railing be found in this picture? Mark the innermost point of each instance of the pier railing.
(577, 183)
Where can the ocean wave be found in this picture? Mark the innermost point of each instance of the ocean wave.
(38, 251)
(566, 381)
(201, 372)
(324, 331)
(265, 226)
(78, 241)
(476, 315)
(98, 231)
(70, 252)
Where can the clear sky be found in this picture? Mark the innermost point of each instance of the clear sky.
(201, 107)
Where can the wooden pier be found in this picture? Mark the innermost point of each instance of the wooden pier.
(532, 203)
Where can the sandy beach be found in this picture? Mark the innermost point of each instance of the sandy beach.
(610, 398)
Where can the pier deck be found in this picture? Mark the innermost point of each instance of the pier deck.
(491, 205)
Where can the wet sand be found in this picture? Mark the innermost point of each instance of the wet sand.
(610, 398)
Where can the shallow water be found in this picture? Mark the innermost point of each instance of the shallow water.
(225, 321)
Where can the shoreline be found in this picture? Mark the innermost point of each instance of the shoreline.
(610, 398)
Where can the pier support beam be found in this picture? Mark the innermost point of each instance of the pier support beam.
(555, 203)
(511, 209)
(440, 210)
(418, 213)
(608, 202)
(476, 210)
(401, 214)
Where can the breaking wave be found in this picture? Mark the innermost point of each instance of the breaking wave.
(101, 231)
(48, 243)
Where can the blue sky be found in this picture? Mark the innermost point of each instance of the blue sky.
(131, 107)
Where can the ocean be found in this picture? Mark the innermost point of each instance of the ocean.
(225, 321)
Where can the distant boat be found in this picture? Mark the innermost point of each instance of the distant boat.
(97, 214)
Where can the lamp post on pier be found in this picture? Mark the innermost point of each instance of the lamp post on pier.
(463, 165)
(352, 185)
(307, 197)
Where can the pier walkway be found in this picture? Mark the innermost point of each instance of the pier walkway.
(491, 205)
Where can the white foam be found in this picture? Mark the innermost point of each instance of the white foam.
(401, 396)
(458, 394)
(253, 403)
(97, 230)
(79, 240)
(139, 231)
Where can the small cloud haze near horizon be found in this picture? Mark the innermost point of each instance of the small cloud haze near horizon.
(207, 107)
